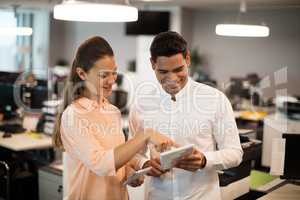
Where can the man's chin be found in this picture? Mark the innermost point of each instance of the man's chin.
(172, 91)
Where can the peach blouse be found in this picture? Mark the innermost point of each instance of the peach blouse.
(90, 132)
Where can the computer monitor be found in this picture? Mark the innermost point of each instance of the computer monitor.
(34, 96)
(38, 96)
(292, 158)
(7, 102)
(119, 99)
(7, 80)
(42, 82)
(149, 23)
(9, 77)
(237, 88)
(9, 88)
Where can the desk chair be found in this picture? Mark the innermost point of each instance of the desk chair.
(5, 173)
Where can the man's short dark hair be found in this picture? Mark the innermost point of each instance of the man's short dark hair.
(168, 44)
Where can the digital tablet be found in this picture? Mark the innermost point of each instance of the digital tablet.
(169, 158)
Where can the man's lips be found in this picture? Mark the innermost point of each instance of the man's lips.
(173, 86)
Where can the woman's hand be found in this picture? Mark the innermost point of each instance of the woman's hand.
(160, 141)
(156, 170)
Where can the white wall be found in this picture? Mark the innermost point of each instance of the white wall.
(56, 41)
(225, 56)
(144, 69)
(65, 37)
(229, 57)
(187, 23)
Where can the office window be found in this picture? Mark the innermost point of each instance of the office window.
(8, 43)
(25, 53)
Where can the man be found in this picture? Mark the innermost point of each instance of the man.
(189, 113)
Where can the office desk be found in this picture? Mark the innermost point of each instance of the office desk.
(250, 115)
(286, 192)
(244, 131)
(235, 182)
(23, 142)
(274, 126)
(20, 153)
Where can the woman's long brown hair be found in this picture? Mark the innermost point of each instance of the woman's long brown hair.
(89, 52)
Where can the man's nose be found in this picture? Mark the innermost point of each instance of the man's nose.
(171, 77)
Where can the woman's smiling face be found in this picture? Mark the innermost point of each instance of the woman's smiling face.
(101, 77)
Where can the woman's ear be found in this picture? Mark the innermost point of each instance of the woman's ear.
(81, 73)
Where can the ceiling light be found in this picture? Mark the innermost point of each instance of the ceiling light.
(242, 30)
(93, 11)
(156, 0)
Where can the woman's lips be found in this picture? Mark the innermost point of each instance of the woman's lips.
(107, 88)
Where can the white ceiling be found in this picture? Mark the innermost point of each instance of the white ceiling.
(195, 4)
(227, 4)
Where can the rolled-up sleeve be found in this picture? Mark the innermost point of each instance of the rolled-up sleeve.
(229, 152)
(83, 145)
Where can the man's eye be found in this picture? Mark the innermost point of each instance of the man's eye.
(162, 72)
(179, 69)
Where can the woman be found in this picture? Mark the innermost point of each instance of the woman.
(89, 129)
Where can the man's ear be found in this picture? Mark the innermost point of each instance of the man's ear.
(152, 63)
(188, 58)
(81, 73)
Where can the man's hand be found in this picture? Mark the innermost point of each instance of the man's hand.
(156, 169)
(192, 162)
(129, 171)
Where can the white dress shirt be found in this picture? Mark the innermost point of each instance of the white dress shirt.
(201, 115)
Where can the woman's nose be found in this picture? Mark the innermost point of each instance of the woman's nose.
(111, 80)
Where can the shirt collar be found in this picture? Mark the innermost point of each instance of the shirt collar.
(90, 104)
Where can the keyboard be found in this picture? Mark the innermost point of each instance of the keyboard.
(12, 128)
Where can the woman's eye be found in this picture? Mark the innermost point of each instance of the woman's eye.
(101, 75)
(114, 73)
(105, 75)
